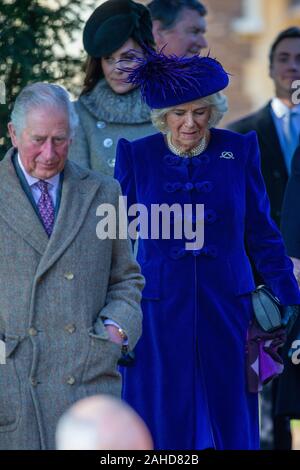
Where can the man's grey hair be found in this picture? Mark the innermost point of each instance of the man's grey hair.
(217, 102)
(42, 95)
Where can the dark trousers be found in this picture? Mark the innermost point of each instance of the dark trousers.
(282, 436)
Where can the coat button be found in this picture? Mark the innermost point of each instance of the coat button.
(69, 276)
(107, 143)
(111, 162)
(101, 124)
(70, 328)
(188, 186)
(33, 381)
(32, 331)
(70, 380)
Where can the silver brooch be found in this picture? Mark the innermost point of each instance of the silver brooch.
(227, 155)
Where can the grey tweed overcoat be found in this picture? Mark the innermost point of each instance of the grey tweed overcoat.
(52, 293)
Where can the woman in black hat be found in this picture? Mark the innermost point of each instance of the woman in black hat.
(110, 108)
(192, 382)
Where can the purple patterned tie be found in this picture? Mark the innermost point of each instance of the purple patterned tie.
(45, 207)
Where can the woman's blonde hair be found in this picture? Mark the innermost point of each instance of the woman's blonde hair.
(217, 102)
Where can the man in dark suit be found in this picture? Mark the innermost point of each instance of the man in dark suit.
(288, 403)
(277, 125)
(270, 121)
(179, 26)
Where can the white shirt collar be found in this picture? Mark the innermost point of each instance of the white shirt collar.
(31, 180)
(280, 109)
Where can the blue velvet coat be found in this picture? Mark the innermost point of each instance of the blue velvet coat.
(189, 379)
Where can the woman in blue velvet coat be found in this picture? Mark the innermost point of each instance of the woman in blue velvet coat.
(189, 378)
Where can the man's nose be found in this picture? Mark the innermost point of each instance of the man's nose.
(48, 149)
(294, 64)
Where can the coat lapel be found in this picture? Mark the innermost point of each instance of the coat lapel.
(78, 192)
(268, 135)
(16, 209)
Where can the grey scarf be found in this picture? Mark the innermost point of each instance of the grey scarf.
(105, 104)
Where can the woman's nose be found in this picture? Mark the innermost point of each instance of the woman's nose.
(189, 120)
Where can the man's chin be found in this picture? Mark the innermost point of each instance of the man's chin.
(193, 53)
(45, 174)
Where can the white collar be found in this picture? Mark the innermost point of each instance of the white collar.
(280, 109)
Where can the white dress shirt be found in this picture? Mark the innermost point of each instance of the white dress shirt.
(280, 114)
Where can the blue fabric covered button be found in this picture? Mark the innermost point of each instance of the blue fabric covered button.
(171, 160)
(202, 159)
(210, 216)
(177, 252)
(188, 186)
(172, 187)
(204, 186)
(196, 252)
(210, 251)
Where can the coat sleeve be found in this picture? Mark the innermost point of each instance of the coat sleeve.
(124, 171)
(263, 239)
(290, 220)
(125, 284)
(125, 174)
(79, 151)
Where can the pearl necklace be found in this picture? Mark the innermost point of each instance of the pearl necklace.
(189, 153)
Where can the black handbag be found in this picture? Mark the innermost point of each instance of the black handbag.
(267, 309)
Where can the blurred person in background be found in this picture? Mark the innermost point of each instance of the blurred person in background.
(277, 126)
(102, 422)
(288, 402)
(108, 107)
(179, 26)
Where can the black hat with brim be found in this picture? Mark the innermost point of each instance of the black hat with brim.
(113, 23)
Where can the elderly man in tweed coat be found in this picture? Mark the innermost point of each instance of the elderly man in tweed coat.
(68, 299)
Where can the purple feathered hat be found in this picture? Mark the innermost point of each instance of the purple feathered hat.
(170, 80)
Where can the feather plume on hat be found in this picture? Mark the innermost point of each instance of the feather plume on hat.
(170, 80)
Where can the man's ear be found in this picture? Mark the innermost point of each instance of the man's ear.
(12, 133)
(158, 33)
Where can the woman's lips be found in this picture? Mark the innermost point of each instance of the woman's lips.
(119, 80)
(189, 134)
